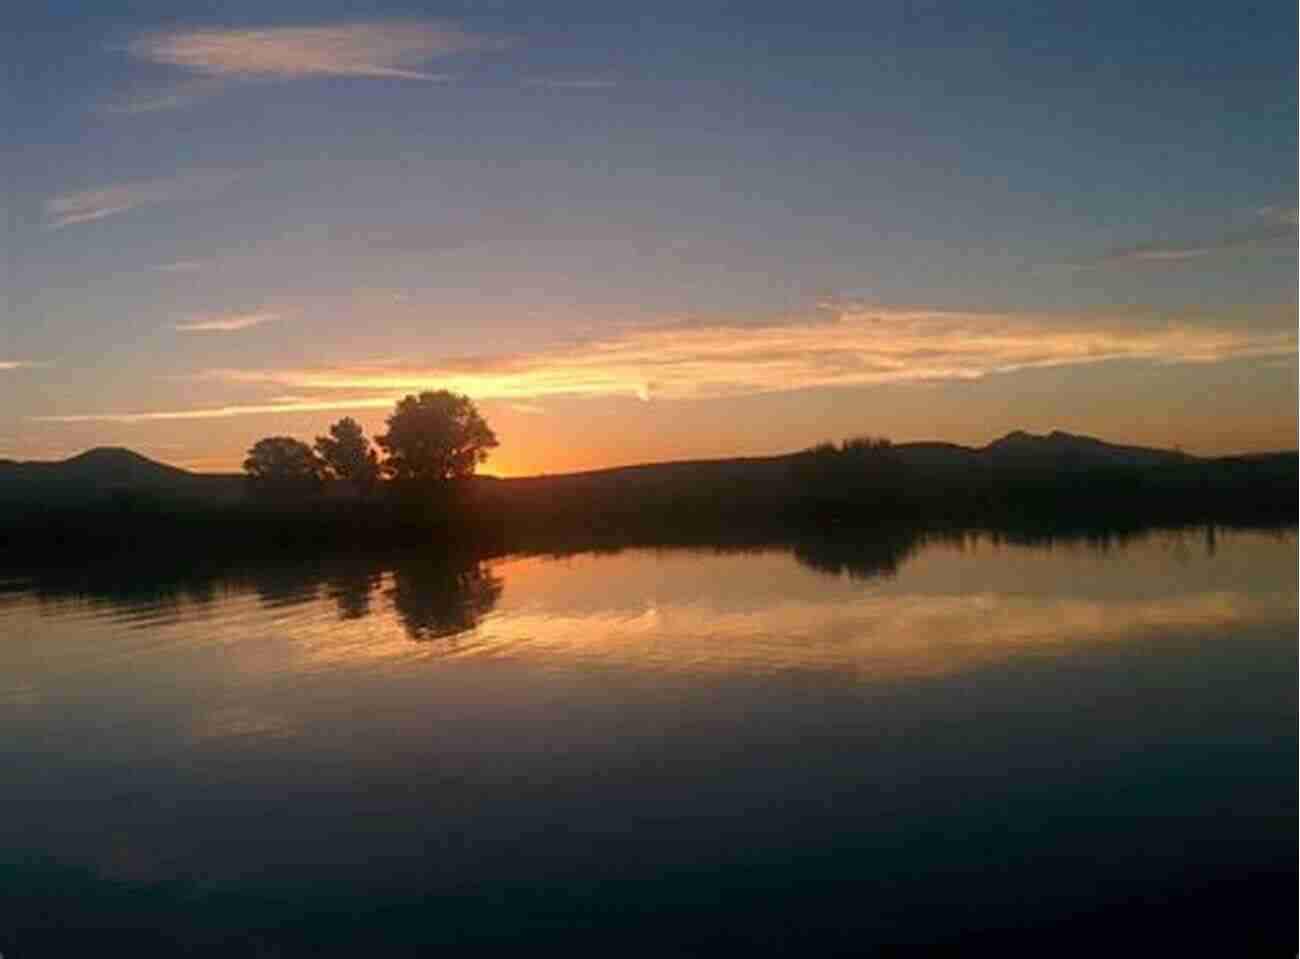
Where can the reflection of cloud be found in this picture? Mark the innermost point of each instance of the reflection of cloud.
(227, 323)
(239, 722)
(844, 345)
(1272, 223)
(88, 206)
(216, 57)
(886, 636)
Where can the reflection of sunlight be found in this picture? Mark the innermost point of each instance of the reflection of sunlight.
(648, 621)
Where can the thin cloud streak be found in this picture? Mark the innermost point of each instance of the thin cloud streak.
(575, 83)
(224, 412)
(87, 206)
(851, 345)
(1157, 254)
(229, 323)
(218, 57)
(180, 266)
(1272, 224)
(174, 98)
(9, 365)
(91, 205)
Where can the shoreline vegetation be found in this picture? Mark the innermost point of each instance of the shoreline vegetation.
(338, 494)
(112, 502)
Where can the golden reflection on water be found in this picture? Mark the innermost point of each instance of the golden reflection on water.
(881, 637)
(950, 606)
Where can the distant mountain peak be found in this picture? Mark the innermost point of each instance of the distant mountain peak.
(116, 466)
(107, 470)
(112, 454)
(1059, 445)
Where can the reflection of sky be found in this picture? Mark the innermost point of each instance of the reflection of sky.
(560, 198)
(287, 690)
(952, 606)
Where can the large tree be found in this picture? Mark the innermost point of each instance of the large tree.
(347, 455)
(283, 466)
(435, 437)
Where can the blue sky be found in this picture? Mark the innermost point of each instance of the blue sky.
(280, 215)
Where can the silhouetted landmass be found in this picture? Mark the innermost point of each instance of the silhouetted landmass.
(113, 500)
(108, 473)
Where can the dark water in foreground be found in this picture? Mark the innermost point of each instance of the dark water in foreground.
(659, 752)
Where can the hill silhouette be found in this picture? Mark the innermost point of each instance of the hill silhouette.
(105, 471)
(115, 498)
(1067, 450)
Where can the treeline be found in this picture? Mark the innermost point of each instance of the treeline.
(419, 487)
(432, 439)
(812, 494)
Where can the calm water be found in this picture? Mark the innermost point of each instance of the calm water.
(672, 752)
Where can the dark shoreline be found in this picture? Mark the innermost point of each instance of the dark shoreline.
(711, 504)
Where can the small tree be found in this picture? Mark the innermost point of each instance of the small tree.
(282, 466)
(434, 438)
(347, 455)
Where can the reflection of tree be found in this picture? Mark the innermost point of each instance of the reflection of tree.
(866, 555)
(442, 596)
(350, 589)
(133, 586)
(279, 586)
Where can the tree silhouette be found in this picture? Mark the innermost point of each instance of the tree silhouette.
(281, 466)
(435, 437)
(347, 455)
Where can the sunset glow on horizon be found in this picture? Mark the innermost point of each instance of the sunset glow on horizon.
(720, 238)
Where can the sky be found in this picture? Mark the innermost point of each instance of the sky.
(634, 234)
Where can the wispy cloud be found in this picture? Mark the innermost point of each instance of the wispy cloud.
(842, 344)
(9, 365)
(180, 266)
(182, 95)
(222, 412)
(87, 206)
(1271, 224)
(379, 48)
(571, 83)
(224, 323)
(90, 205)
(1155, 254)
